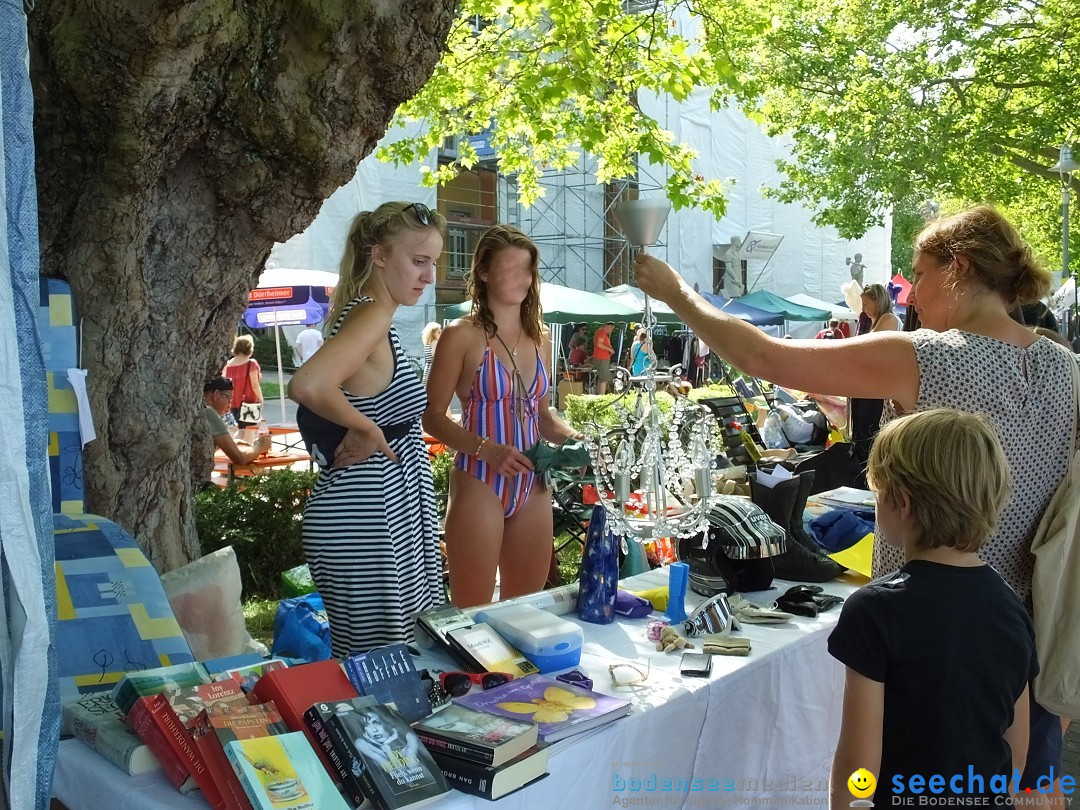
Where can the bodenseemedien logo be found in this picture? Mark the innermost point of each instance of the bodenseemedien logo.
(861, 784)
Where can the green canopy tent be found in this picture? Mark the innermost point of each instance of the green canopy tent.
(633, 297)
(565, 304)
(771, 302)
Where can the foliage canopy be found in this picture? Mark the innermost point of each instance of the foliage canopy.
(884, 102)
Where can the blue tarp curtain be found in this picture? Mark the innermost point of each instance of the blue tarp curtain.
(31, 719)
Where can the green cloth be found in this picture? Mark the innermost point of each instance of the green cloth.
(567, 456)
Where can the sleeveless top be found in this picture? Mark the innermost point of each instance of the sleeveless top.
(1027, 395)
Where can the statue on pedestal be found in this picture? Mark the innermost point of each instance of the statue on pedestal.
(735, 275)
(856, 268)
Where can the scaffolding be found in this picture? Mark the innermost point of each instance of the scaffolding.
(572, 224)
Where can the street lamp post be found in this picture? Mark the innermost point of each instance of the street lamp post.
(1065, 167)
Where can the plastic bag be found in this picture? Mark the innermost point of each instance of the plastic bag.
(205, 598)
(301, 629)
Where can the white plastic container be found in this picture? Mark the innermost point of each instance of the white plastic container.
(550, 642)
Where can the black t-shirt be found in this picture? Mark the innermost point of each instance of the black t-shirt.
(955, 648)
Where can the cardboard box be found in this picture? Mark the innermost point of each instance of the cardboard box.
(566, 388)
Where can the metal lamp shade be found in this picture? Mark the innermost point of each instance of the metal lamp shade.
(642, 220)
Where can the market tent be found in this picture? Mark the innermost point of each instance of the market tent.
(838, 311)
(905, 288)
(735, 307)
(771, 302)
(634, 297)
(563, 304)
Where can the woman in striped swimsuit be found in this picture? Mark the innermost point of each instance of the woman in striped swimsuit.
(499, 514)
(369, 527)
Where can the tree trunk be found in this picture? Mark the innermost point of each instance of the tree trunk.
(176, 142)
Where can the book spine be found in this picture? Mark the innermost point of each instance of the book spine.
(176, 735)
(352, 760)
(175, 769)
(232, 791)
(468, 777)
(457, 748)
(255, 793)
(349, 783)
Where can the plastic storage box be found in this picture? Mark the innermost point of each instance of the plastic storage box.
(550, 642)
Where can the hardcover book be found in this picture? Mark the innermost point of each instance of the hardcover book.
(388, 675)
(146, 682)
(96, 720)
(217, 666)
(296, 689)
(487, 651)
(155, 711)
(559, 709)
(281, 772)
(190, 701)
(222, 723)
(393, 767)
(486, 738)
(490, 782)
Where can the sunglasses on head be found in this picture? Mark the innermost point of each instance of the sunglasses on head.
(459, 683)
(421, 212)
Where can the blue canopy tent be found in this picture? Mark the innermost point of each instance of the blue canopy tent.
(287, 297)
(771, 302)
(742, 311)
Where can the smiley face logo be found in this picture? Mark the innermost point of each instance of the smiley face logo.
(861, 783)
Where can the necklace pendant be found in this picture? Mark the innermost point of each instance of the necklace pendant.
(513, 353)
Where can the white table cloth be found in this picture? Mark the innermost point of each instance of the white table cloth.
(762, 727)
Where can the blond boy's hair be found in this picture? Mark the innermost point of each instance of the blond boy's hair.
(951, 466)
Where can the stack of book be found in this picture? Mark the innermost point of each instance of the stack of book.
(482, 753)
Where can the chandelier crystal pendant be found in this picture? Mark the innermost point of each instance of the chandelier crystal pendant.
(654, 474)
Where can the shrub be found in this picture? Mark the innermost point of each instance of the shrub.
(260, 518)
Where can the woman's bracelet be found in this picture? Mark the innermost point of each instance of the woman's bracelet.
(480, 446)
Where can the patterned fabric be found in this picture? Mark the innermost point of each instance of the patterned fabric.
(113, 614)
(28, 600)
(369, 529)
(56, 320)
(1027, 395)
(490, 412)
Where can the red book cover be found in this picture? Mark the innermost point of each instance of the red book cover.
(222, 723)
(296, 689)
(178, 738)
(175, 769)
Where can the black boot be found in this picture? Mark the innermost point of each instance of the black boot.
(806, 481)
(798, 563)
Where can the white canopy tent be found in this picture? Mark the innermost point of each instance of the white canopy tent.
(838, 311)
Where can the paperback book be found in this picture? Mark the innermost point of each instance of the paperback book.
(147, 682)
(248, 675)
(388, 675)
(558, 709)
(484, 650)
(281, 772)
(96, 720)
(483, 737)
(491, 782)
(376, 745)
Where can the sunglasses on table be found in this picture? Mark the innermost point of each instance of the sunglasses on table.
(459, 683)
(420, 211)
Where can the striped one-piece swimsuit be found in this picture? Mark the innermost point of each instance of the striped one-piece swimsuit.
(490, 412)
(370, 531)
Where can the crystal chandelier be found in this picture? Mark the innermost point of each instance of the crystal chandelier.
(654, 479)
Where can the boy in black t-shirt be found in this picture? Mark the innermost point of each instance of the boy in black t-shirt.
(939, 654)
